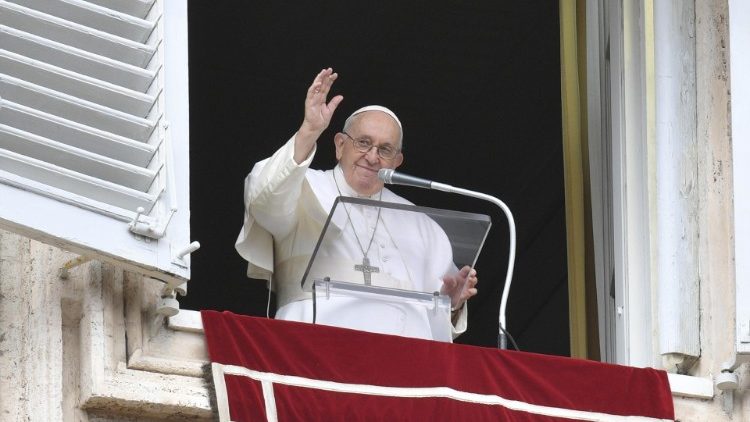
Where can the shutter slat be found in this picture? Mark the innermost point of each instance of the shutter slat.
(73, 182)
(80, 86)
(73, 34)
(75, 59)
(93, 16)
(137, 8)
(75, 159)
(75, 109)
(75, 134)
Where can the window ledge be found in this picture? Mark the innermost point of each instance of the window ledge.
(692, 387)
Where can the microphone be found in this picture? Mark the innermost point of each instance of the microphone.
(393, 177)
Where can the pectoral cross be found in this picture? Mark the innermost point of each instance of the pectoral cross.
(366, 269)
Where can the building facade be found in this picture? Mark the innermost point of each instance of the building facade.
(88, 329)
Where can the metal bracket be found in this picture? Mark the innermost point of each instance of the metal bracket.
(152, 230)
(179, 258)
(168, 305)
(727, 381)
(64, 271)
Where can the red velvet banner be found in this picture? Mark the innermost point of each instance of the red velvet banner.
(282, 370)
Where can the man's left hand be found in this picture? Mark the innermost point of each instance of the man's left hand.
(460, 286)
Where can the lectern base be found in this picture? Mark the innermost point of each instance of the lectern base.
(380, 310)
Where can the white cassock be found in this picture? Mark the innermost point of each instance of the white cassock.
(286, 208)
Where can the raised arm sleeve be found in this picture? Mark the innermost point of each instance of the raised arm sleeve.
(272, 190)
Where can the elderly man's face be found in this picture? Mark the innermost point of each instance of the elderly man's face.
(361, 168)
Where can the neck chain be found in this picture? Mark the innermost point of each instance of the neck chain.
(365, 268)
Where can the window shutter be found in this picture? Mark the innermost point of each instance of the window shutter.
(94, 129)
(739, 16)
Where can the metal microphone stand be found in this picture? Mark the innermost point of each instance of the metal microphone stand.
(502, 339)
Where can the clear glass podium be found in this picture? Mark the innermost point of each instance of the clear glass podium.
(379, 266)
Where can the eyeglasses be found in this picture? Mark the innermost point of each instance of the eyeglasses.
(385, 152)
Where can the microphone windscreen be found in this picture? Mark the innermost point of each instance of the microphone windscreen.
(385, 175)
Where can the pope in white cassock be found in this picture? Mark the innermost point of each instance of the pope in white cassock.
(287, 204)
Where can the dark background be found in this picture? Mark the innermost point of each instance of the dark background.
(477, 88)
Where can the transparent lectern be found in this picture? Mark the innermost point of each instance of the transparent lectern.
(378, 266)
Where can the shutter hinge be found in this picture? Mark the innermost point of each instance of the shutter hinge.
(153, 229)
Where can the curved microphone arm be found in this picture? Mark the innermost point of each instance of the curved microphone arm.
(502, 336)
(393, 177)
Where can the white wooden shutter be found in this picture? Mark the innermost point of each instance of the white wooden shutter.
(94, 128)
(739, 54)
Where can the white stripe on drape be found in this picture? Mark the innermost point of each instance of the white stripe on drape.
(422, 392)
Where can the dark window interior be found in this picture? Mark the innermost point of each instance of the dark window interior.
(477, 87)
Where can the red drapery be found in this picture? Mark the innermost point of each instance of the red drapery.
(281, 370)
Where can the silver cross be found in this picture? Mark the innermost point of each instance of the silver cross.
(366, 269)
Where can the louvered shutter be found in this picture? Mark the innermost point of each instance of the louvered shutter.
(94, 128)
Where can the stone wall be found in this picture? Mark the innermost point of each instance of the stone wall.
(90, 347)
(715, 215)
